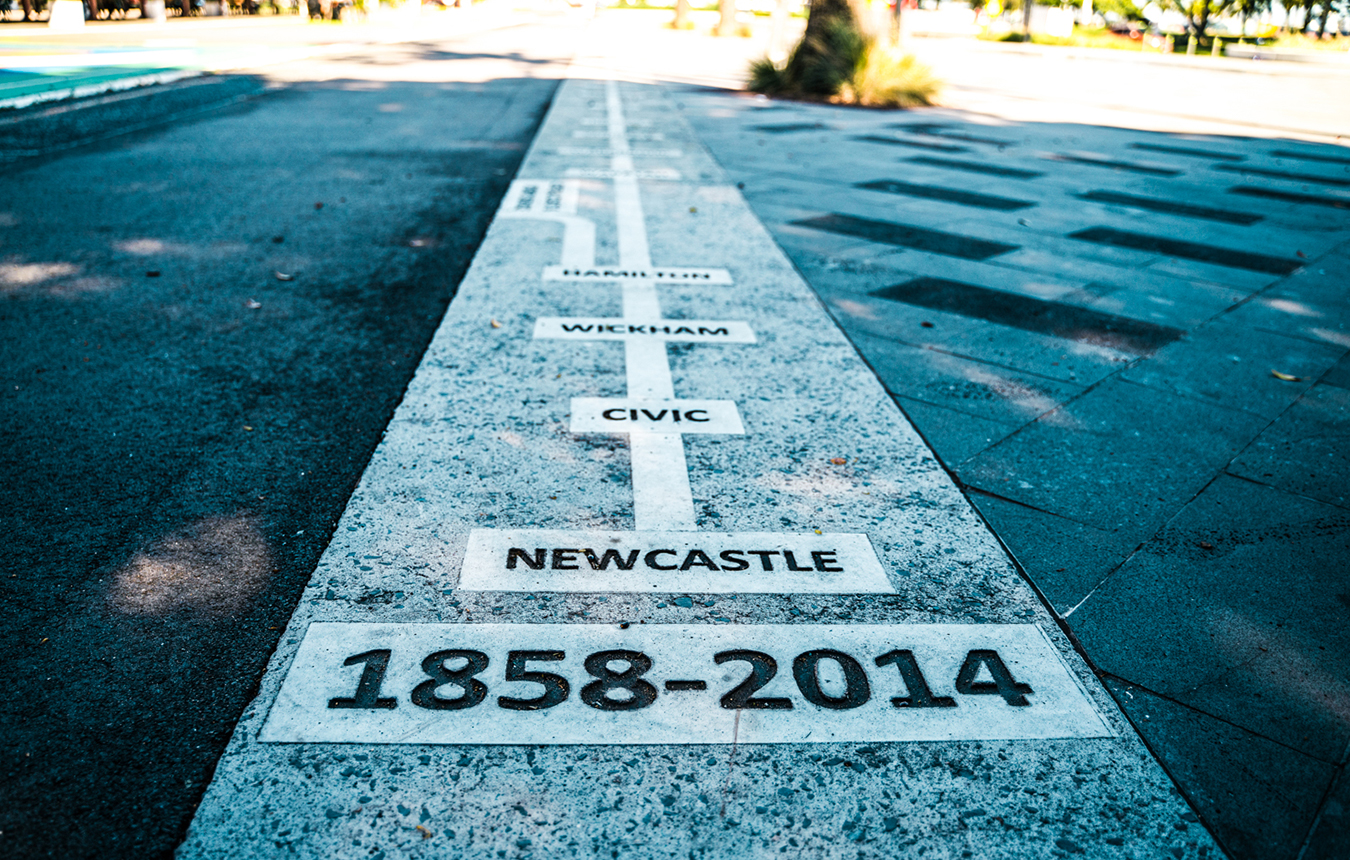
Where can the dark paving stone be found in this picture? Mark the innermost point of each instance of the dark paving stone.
(1231, 365)
(975, 388)
(1065, 559)
(1283, 174)
(1239, 607)
(1291, 196)
(789, 127)
(1256, 797)
(911, 144)
(976, 167)
(1308, 156)
(1170, 207)
(1307, 450)
(1121, 457)
(1188, 250)
(1114, 164)
(946, 195)
(907, 236)
(940, 130)
(1330, 839)
(1339, 374)
(1053, 318)
(1187, 150)
(954, 436)
(1297, 307)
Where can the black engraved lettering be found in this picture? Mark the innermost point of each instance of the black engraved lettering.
(762, 669)
(515, 554)
(640, 693)
(602, 563)
(698, 558)
(792, 561)
(677, 686)
(713, 331)
(650, 559)
(424, 694)
(824, 558)
(684, 330)
(368, 688)
(565, 559)
(555, 687)
(689, 415)
(577, 327)
(920, 696)
(1003, 684)
(806, 671)
(605, 415)
(764, 556)
(733, 559)
(657, 417)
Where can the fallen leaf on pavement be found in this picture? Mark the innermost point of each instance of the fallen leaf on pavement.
(839, 461)
(496, 324)
(1204, 544)
(1286, 377)
(282, 276)
(253, 303)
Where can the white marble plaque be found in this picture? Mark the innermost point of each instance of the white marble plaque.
(676, 684)
(656, 274)
(610, 328)
(670, 561)
(629, 415)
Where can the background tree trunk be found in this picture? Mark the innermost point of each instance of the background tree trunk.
(681, 13)
(726, 25)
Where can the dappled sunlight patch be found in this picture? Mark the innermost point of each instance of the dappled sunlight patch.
(1339, 338)
(1256, 656)
(81, 286)
(147, 247)
(1295, 308)
(15, 276)
(1027, 399)
(213, 567)
(857, 310)
(141, 247)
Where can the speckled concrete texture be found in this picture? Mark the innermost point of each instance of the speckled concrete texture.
(482, 441)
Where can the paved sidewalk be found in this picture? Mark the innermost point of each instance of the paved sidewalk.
(39, 65)
(1130, 349)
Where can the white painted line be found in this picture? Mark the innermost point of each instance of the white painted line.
(658, 174)
(670, 331)
(662, 497)
(671, 561)
(627, 415)
(608, 153)
(554, 200)
(651, 273)
(600, 684)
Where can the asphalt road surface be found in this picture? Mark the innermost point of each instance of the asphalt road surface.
(206, 326)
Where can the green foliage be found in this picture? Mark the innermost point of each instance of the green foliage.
(1126, 9)
(846, 68)
(887, 78)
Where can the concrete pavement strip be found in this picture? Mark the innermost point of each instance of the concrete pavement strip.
(549, 623)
